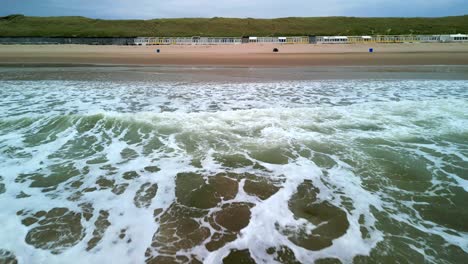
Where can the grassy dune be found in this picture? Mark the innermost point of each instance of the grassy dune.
(18, 25)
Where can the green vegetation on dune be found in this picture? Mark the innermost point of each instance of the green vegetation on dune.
(22, 26)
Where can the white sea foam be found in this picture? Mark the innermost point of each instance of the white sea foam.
(349, 139)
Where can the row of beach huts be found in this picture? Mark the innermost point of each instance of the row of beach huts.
(143, 41)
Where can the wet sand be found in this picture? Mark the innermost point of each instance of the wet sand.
(229, 74)
(246, 55)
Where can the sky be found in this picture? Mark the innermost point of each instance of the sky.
(147, 9)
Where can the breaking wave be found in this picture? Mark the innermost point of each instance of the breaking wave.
(325, 171)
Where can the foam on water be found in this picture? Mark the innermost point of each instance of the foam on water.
(298, 171)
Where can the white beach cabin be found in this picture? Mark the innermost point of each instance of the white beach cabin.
(459, 37)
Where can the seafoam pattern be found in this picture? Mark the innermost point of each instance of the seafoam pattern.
(104, 157)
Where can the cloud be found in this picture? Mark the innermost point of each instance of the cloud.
(147, 9)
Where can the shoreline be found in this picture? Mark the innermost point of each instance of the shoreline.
(244, 55)
(229, 74)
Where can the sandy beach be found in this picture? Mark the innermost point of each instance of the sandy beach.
(255, 55)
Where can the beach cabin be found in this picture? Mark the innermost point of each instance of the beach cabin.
(274, 40)
(184, 41)
(332, 39)
(219, 41)
(140, 41)
(341, 39)
(366, 38)
(453, 38)
(396, 38)
(267, 40)
(428, 38)
(459, 38)
(230, 40)
(356, 39)
(445, 38)
(280, 40)
(384, 39)
(195, 40)
(297, 40)
(312, 39)
(253, 39)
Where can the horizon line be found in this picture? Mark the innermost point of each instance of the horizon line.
(221, 17)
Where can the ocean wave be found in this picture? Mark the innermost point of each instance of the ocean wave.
(90, 174)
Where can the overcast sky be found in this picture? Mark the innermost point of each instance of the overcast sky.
(146, 9)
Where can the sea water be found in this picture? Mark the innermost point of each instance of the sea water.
(284, 172)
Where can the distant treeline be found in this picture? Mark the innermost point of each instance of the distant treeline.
(22, 26)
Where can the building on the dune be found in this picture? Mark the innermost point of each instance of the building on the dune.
(444, 38)
(67, 40)
(143, 41)
(297, 40)
(332, 39)
(390, 39)
(284, 40)
(366, 39)
(253, 39)
(198, 40)
(454, 38)
(429, 38)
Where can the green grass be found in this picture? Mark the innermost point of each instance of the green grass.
(19, 25)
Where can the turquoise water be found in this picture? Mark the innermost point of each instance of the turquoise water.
(298, 171)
